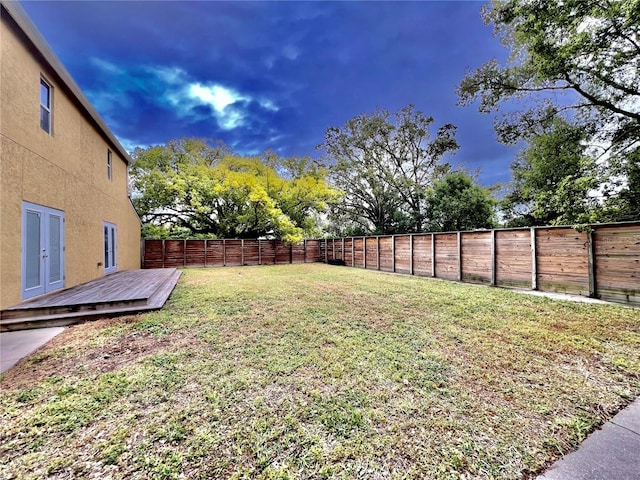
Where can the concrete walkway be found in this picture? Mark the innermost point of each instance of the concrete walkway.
(17, 345)
(611, 453)
(563, 296)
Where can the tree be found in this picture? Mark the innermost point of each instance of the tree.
(554, 182)
(383, 165)
(195, 189)
(587, 49)
(456, 203)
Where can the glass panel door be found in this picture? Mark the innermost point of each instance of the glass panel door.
(109, 238)
(42, 249)
(55, 250)
(32, 247)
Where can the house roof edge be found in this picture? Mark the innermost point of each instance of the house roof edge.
(22, 20)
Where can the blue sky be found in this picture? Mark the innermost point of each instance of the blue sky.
(274, 75)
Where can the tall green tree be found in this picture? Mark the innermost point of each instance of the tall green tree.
(554, 181)
(196, 188)
(456, 203)
(576, 58)
(382, 164)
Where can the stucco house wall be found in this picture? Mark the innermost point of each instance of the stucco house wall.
(65, 169)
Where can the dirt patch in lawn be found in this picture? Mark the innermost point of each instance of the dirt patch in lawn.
(77, 348)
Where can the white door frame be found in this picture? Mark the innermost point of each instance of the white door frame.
(43, 250)
(110, 246)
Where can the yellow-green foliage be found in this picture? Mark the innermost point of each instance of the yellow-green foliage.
(190, 185)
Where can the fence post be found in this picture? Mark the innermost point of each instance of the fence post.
(534, 263)
(364, 252)
(411, 254)
(205, 252)
(353, 252)
(493, 257)
(378, 252)
(393, 253)
(291, 253)
(326, 250)
(224, 252)
(304, 251)
(333, 249)
(163, 252)
(342, 250)
(184, 252)
(459, 256)
(591, 264)
(433, 255)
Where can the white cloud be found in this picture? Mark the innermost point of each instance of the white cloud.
(269, 105)
(172, 87)
(170, 75)
(215, 95)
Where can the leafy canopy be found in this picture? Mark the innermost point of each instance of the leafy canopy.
(382, 164)
(554, 181)
(579, 60)
(196, 188)
(456, 203)
(590, 48)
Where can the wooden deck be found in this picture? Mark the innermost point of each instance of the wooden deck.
(122, 292)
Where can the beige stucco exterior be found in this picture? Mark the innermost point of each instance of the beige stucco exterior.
(65, 170)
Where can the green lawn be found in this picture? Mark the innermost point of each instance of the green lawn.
(314, 371)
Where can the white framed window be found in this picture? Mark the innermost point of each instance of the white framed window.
(45, 105)
(109, 165)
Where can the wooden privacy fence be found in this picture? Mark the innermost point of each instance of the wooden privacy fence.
(219, 253)
(601, 262)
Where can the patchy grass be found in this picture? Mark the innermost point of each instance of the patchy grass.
(313, 371)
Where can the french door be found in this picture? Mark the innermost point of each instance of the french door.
(42, 249)
(110, 257)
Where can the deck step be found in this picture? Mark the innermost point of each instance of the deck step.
(69, 310)
(17, 318)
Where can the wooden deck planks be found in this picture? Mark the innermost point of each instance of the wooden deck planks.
(126, 285)
(121, 292)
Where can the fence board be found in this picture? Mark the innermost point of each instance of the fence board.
(313, 251)
(447, 256)
(233, 253)
(403, 254)
(422, 255)
(174, 253)
(348, 257)
(195, 255)
(617, 263)
(153, 254)
(476, 257)
(386, 257)
(297, 253)
(358, 247)
(268, 248)
(513, 258)
(371, 245)
(215, 253)
(251, 252)
(283, 253)
(562, 259)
